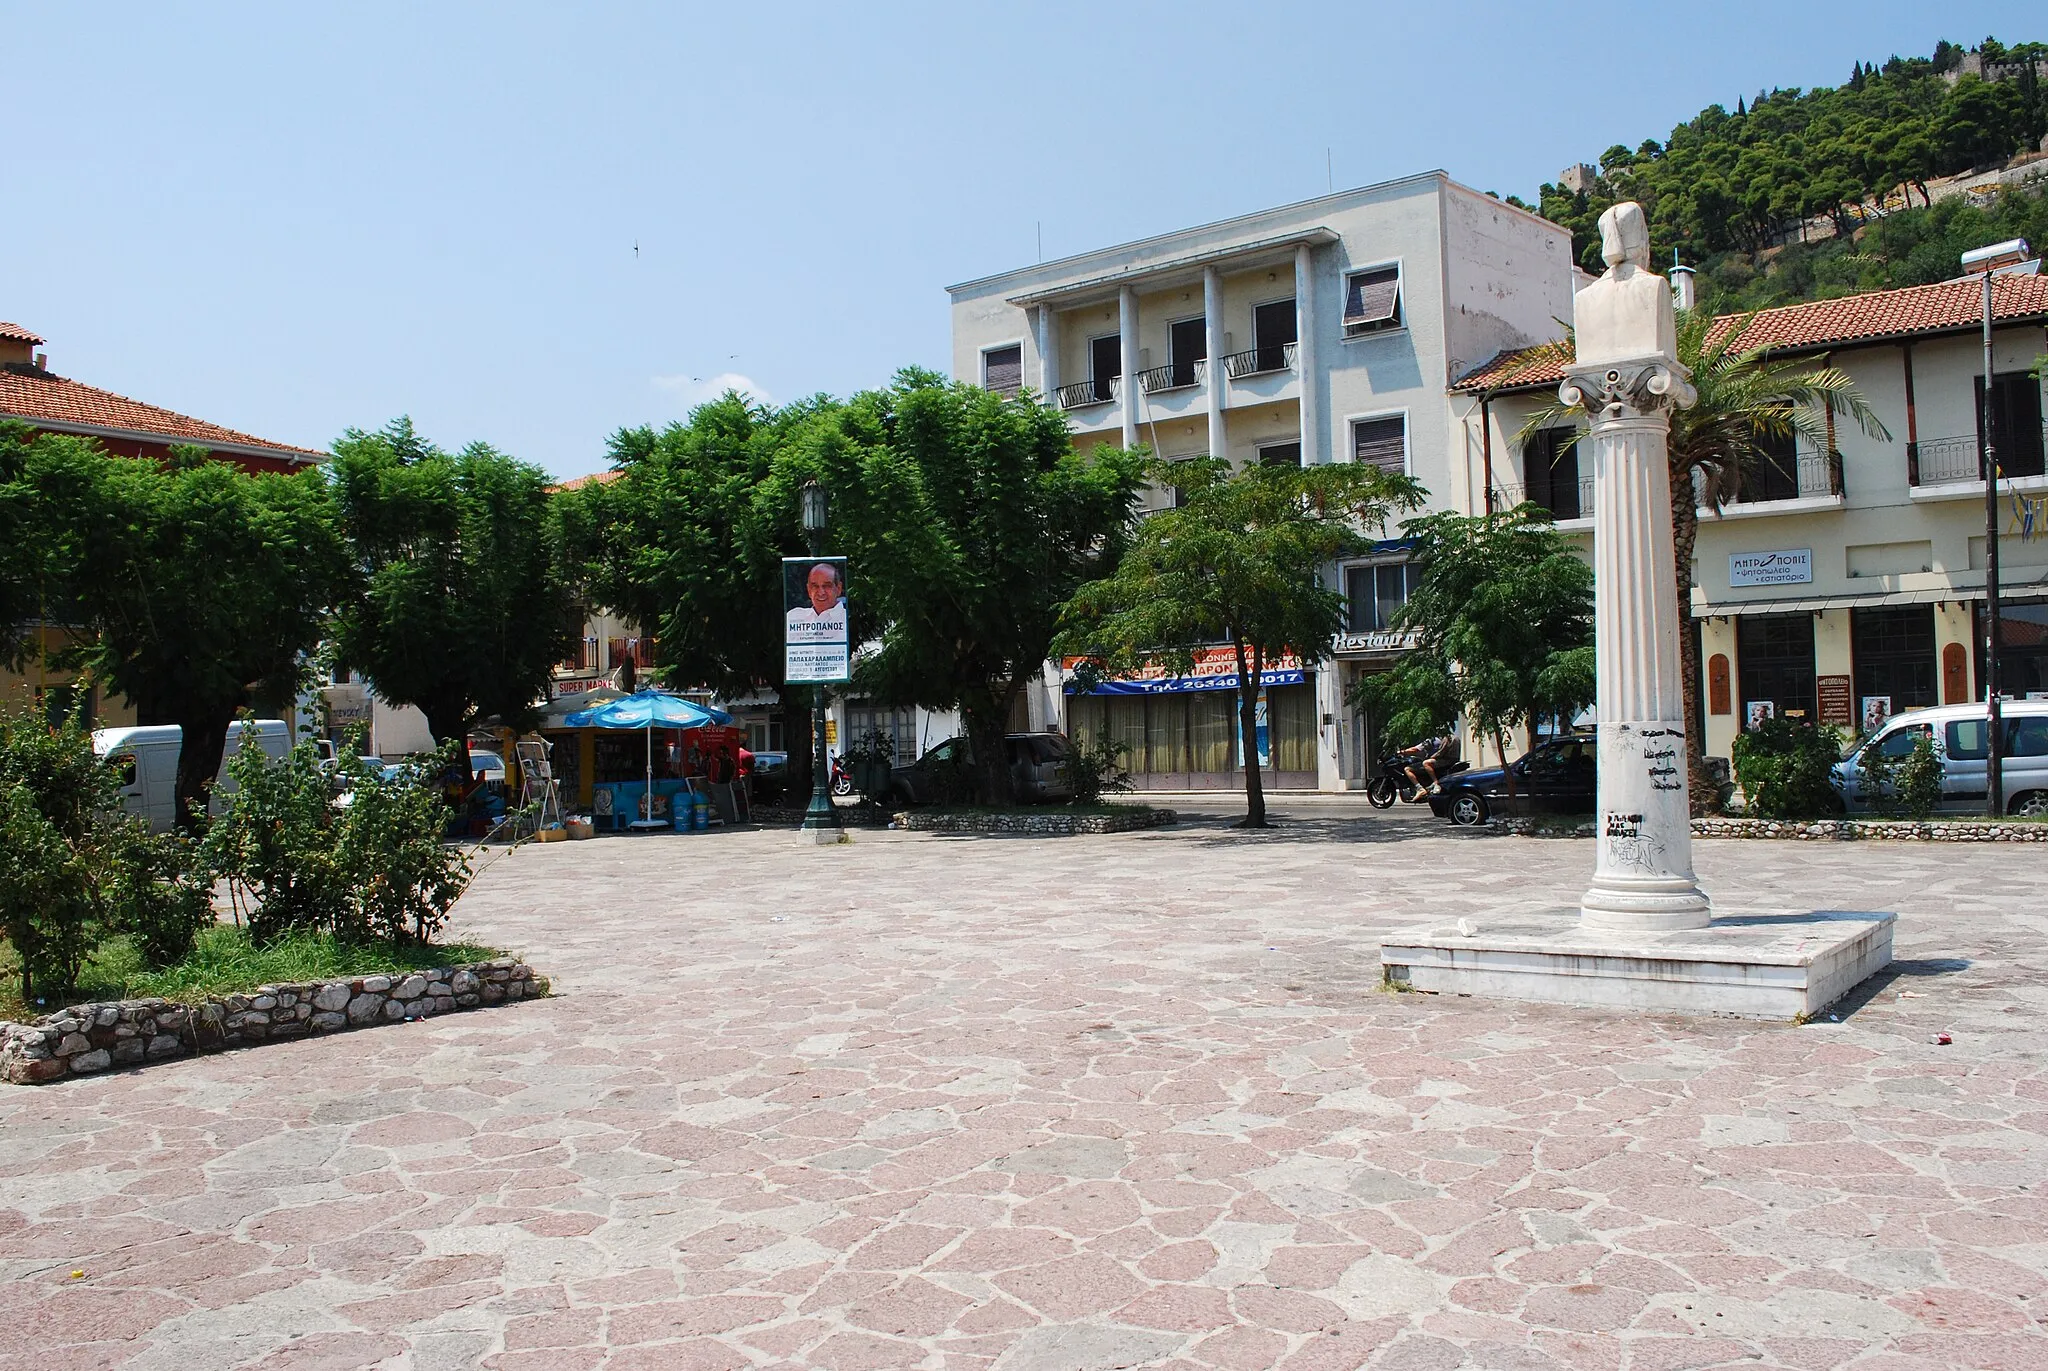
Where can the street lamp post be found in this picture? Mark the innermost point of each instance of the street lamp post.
(821, 820)
(1998, 258)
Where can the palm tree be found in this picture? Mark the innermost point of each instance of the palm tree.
(1748, 403)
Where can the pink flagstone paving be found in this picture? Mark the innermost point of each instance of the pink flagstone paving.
(1039, 1104)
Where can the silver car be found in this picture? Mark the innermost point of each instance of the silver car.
(1959, 733)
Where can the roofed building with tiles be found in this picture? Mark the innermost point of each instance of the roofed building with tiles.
(33, 394)
(1848, 580)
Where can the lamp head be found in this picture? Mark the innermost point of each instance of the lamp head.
(813, 502)
(1997, 256)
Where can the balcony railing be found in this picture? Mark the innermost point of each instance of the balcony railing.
(1260, 360)
(1951, 461)
(1175, 376)
(1564, 499)
(1099, 391)
(1813, 476)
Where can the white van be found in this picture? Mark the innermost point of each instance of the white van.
(148, 760)
(1958, 733)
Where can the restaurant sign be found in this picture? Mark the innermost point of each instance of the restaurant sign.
(1379, 640)
(1785, 567)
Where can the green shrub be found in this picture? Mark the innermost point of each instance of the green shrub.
(1096, 770)
(1786, 767)
(274, 838)
(74, 869)
(373, 867)
(1902, 787)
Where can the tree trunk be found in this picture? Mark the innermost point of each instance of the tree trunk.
(200, 745)
(1248, 733)
(451, 723)
(988, 723)
(795, 712)
(1685, 528)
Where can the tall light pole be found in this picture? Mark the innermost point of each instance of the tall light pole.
(821, 820)
(1997, 259)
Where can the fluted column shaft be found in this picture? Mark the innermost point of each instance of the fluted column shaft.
(1642, 876)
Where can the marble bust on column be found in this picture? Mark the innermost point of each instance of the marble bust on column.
(1625, 315)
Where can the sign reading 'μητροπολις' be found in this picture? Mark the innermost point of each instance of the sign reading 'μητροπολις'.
(816, 647)
(1788, 566)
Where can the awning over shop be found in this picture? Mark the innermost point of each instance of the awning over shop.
(1215, 669)
(1879, 599)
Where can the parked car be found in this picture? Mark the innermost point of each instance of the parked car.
(771, 776)
(1959, 734)
(486, 766)
(1554, 777)
(147, 758)
(1037, 770)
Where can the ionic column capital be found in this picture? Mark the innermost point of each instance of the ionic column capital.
(1623, 391)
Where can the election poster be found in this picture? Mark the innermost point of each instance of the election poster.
(816, 649)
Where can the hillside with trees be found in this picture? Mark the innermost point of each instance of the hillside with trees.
(1807, 194)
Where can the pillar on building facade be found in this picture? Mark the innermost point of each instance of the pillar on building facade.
(1305, 355)
(1048, 354)
(1127, 342)
(1212, 344)
(1628, 379)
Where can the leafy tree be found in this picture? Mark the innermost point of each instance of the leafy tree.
(1747, 401)
(202, 585)
(686, 542)
(459, 610)
(1503, 605)
(969, 520)
(1239, 562)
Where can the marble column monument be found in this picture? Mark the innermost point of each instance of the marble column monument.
(1628, 379)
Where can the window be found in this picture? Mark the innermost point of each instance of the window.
(2026, 737)
(1773, 471)
(1280, 455)
(1775, 663)
(1550, 472)
(1375, 594)
(1002, 369)
(2022, 646)
(1381, 442)
(1105, 363)
(2015, 423)
(1966, 740)
(1372, 301)
(867, 724)
(1291, 727)
(1894, 655)
(1187, 344)
(1899, 742)
(1272, 334)
(124, 771)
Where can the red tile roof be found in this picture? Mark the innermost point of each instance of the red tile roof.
(1942, 307)
(15, 333)
(595, 478)
(38, 397)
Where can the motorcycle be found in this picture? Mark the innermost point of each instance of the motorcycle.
(1392, 782)
(842, 779)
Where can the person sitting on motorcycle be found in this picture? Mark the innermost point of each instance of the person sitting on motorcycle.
(1430, 760)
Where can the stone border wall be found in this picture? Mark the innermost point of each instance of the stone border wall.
(850, 816)
(1817, 830)
(87, 1038)
(1052, 822)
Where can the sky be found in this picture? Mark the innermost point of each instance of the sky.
(533, 225)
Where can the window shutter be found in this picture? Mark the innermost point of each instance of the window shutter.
(1373, 298)
(1003, 368)
(1382, 443)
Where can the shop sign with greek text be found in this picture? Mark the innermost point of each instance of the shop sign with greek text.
(1786, 567)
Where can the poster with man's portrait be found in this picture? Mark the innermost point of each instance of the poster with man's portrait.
(1876, 709)
(816, 648)
(1759, 712)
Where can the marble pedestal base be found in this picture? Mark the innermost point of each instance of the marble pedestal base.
(1780, 966)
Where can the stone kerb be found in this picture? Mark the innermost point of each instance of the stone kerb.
(1051, 823)
(1817, 830)
(86, 1038)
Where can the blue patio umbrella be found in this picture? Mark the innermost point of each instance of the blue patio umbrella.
(648, 709)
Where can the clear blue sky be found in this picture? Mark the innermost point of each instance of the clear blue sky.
(294, 218)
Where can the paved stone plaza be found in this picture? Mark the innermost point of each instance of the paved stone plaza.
(1074, 1103)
